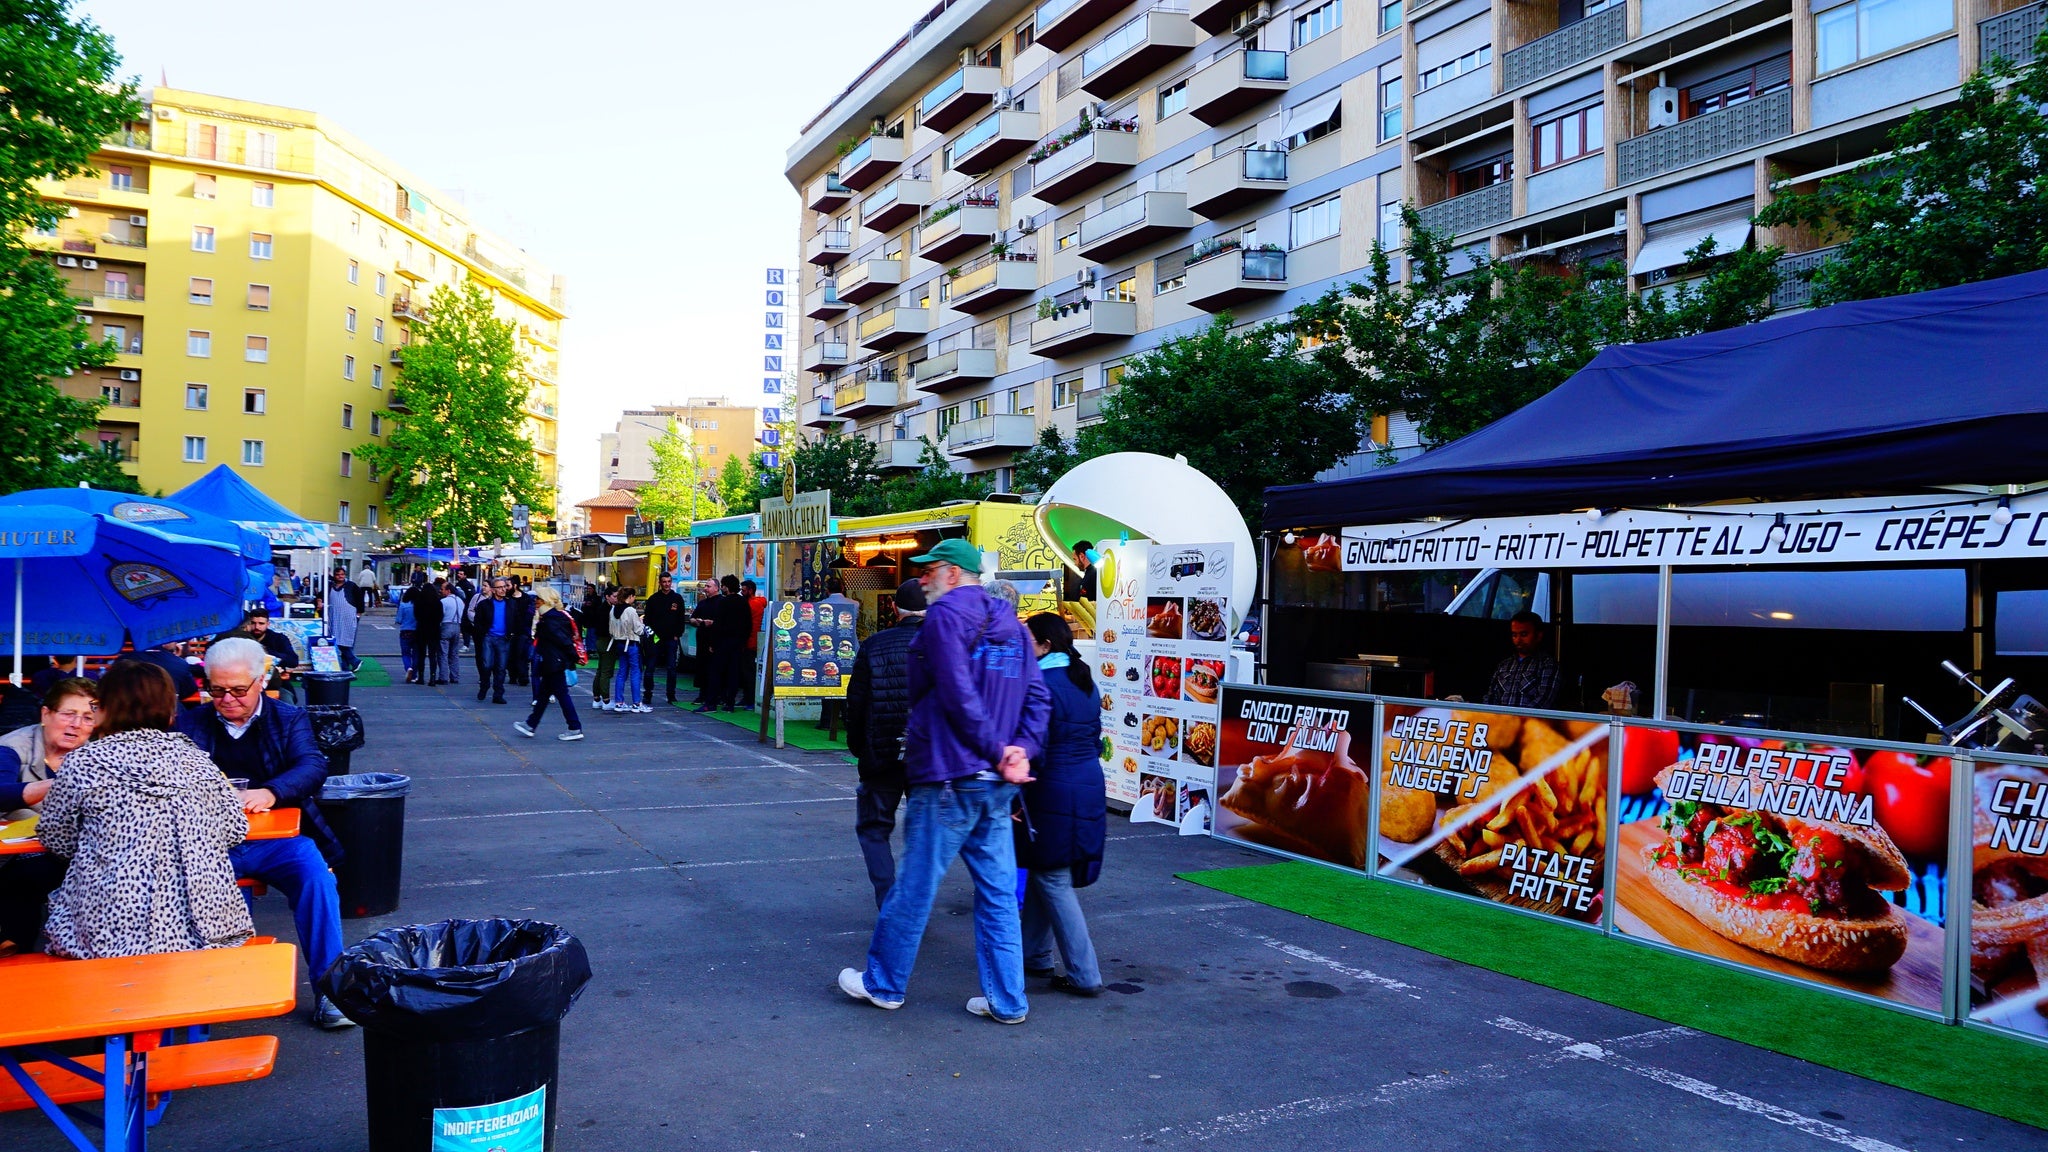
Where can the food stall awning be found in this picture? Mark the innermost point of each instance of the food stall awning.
(638, 550)
(850, 528)
(726, 526)
(1898, 395)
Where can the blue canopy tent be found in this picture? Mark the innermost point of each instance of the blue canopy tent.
(169, 516)
(222, 492)
(1894, 395)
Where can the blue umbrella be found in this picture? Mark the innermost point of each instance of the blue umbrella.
(81, 579)
(166, 515)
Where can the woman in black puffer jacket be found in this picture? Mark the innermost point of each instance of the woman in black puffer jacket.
(554, 655)
(1066, 818)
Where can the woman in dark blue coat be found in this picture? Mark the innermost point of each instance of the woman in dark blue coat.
(1060, 839)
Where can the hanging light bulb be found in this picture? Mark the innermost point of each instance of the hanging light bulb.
(2002, 515)
(1776, 535)
(1287, 537)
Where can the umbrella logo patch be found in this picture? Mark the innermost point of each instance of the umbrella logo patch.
(143, 512)
(141, 583)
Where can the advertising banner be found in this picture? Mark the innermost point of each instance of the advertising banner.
(1816, 860)
(2009, 898)
(1162, 649)
(1289, 772)
(680, 562)
(811, 645)
(1507, 807)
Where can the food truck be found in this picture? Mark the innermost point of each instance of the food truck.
(870, 556)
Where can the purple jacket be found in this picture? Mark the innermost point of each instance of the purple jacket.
(974, 688)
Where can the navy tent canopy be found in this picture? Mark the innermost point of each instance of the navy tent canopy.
(222, 492)
(1905, 393)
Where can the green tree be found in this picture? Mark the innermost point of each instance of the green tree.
(1037, 467)
(459, 454)
(934, 483)
(1958, 200)
(843, 464)
(59, 98)
(738, 489)
(683, 491)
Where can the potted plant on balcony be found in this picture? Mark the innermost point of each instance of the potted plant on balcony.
(1046, 308)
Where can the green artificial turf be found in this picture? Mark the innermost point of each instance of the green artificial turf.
(1980, 1070)
(371, 674)
(808, 735)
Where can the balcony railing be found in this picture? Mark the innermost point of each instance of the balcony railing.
(1579, 40)
(2011, 35)
(993, 433)
(1136, 221)
(1703, 138)
(515, 276)
(1234, 82)
(1074, 162)
(1060, 23)
(1139, 46)
(1471, 212)
(1795, 279)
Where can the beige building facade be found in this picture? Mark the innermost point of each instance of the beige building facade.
(720, 429)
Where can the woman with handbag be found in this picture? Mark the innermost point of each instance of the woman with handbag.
(557, 653)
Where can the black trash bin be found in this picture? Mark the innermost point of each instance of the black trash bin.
(461, 1030)
(323, 688)
(366, 810)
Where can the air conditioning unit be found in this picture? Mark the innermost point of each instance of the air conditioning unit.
(130, 375)
(1251, 17)
(71, 213)
(1663, 104)
(1004, 97)
(138, 221)
(1621, 219)
(1084, 277)
(88, 263)
(135, 346)
(901, 419)
(67, 261)
(967, 55)
(165, 113)
(1026, 226)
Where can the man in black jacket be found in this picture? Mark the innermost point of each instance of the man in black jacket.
(732, 620)
(664, 613)
(704, 617)
(877, 705)
(425, 599)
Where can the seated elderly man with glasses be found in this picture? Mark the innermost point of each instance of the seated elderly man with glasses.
(270, 743)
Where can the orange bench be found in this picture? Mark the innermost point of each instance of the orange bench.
(17, 959)
(171, 1068)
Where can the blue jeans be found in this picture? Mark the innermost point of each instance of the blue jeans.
(1053, 913)
(294, 867)
(491, 661)
(969, 819)
(626, 676)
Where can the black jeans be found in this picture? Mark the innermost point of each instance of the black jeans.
(751, 671)
(549, 683)
(708, 658)
(874, 819)
(732, 672)
(662, 653)
(25, 886)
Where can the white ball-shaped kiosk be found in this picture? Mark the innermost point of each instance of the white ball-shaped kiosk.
(1160, 499)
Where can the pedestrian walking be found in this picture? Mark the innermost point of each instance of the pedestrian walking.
(451, 634)
(665, 614)
(757, 606)
(704, 618)
(491, 618)
(555, 655)
(472, 629)
(877, 705)
(519, 653)
(625, 648)
(425, 599)
(1066, 817)
(978, 711)
(407, 623)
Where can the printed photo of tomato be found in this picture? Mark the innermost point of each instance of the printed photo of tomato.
(1912, 800)
(1644, 753)
(1164, 681)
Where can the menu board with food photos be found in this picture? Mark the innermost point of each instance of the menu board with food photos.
(812, 646)
(1162, 647)
(1291, 772)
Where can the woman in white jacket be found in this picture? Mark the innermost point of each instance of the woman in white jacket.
(625, 641)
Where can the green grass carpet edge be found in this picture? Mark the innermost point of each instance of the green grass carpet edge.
(1988, 1072)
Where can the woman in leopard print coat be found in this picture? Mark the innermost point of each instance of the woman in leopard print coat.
(147, 820)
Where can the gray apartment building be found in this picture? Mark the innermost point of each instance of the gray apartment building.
(1013, 200)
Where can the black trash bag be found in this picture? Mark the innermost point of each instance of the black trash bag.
(459, 979)
(366, 786)
(336, 727)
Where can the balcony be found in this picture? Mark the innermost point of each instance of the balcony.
(1088, 406)
(1134, 223)
(826, 193)
(825, 356)
(397, 356)
(1577, 41)
(967, 91)
(997, 137)
(866, 397)
(1236, 179)
(1233, 275)
(1082, 324)
(823, 302)
(1062, 23)
(893, 203)
(992, 280)
(962, 228)
(402, 308)
(1214, 16)
(1062, 169)
(1234, 82)
(1139, 47)
(1795, 283)
(394, 401)
(870, 160)
(986, 434)
(1475, 210)
(2011, 35)
(1705, 138)
(828, 246)
(961, 366)
(128, 303)
(870, 278)
(899, 456)
(884, 328)
(817, 412)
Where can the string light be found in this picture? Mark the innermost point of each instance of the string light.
(1287, 537)
(2002, 515)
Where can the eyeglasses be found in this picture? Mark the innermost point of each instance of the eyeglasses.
(71, 717)
(229, 690)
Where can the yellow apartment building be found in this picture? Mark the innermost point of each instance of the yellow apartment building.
(719, 428)
(261, 270)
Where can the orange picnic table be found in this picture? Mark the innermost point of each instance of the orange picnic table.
(121, 1000)
(273, 824)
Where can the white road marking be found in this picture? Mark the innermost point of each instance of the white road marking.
(639, 808)
(585, 772)
(1342, 969)
(680, 866)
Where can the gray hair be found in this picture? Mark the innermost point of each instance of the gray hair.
(1005, 591)
(236, 654)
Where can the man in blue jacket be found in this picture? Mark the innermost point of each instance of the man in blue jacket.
(978, 714)
(270, 743)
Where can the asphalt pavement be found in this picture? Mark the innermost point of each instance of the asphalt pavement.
(717, 885)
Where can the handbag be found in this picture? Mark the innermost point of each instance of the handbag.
(576, 633)
(569, 678)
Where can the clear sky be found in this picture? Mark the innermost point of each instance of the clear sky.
(634, 147)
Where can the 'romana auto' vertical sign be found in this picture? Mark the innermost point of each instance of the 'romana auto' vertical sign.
(516, 1125)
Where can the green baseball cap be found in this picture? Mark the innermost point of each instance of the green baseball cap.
(958, 553)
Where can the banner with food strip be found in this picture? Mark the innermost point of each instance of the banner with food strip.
(2009, 897)
(1162, 647)
(1815, 859)
(1290, 775)
(811, 646)
(1498, 805)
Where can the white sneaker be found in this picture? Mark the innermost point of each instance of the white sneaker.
(604, 705)
(854, 984)
(520, 727)
(979, 1006)
(644, 708)
(572, 734)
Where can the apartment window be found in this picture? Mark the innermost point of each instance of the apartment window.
(1173, 98)
(1565, 138)
(117, 335)
(204, 187)
(1450, 70)
(348, 367)
(1066, 391)
(946, 418)
(978, 407)
(253, 402)
(1319, 22)
(355, 223)
(263, 194)
(348, 319)
(1067, 241)
(200, 290)
(117, 286)
(198, 343)
(348, 463)
(195, 397)
(1739, 86)
(111, 394)
(259, 297)
(1025, 36)
(383, 237)
(259, 245)
(263, 149)
(1312, 222)
(380, 283)
(208, 147)
(256, 350)
(372, 521)
(1390, 226)
(1312, 120)
(348, 416)
(252, 453)
(1112, 375)
(1390, 15)
(1122, 286)
(341, 513)
(1483, 174)
(1863, 28)
(195, 449)
(202, 238)
(376, 375)
(376, 424)
(1390, 101)
(1022, 401)
(1169, 274)
(373, 473)
(355, 272)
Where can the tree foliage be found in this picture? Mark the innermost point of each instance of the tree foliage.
(1963, 197)
(684, 489)
(738, 491)
(459, 454)
(935, 482)
(59, 98)
(1035, 468)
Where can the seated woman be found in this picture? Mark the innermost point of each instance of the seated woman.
(29, 758)
(146, 820)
